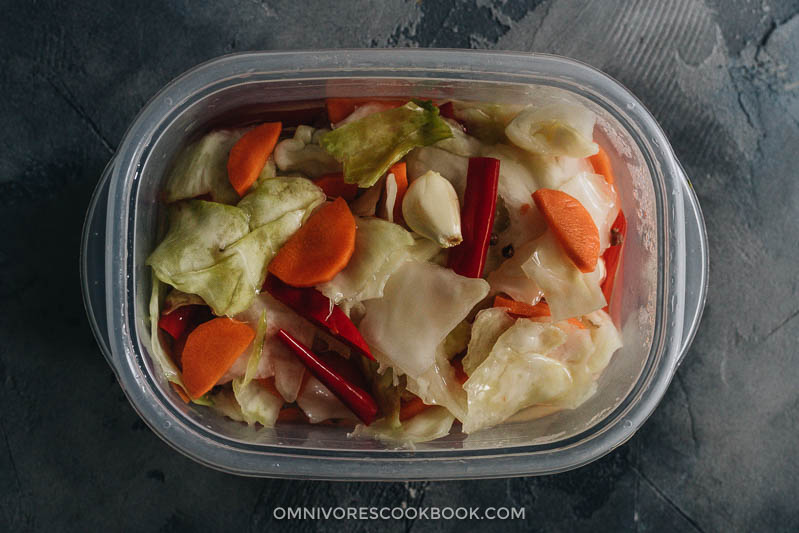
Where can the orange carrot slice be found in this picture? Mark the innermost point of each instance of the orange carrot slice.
(572, 226)
(412, 408)
(248, 156)
(524, 310)
(334, 186)
(210, 351)
(340, 108)
(320, 249)
(576, 322)
(601, 163)
(521, 309)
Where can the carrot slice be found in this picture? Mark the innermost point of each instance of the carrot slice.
(576, 322)
(412, 408)
(210, 351)
(340, 108)
(334, 186)
(248, 156)
(521, 309)
(524, 310)
(601, 163)
(320, 249)
(572, 225)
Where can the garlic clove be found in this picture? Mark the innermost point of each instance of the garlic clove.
(430, 208)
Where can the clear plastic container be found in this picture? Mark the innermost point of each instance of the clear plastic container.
(660, 301)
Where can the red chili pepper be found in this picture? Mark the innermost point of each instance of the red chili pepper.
(477, 217)
(447, 110)
(183, 319)
(612, 256)
(316, 307)
(179, 323)
(357, 399)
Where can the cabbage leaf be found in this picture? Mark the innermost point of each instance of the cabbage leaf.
(569, 292)
(257, 403)
(201, 168)
(380, 249)
(516, 374)
(557, 129)
(221, 252)
(421, 304)
(369, 146)
(488, 326)
(599, 199)
(303, 154)
(430, 424)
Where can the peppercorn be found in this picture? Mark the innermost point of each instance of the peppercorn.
(508, 251)
(494, 239)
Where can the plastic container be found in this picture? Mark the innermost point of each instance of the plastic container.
(660, 304)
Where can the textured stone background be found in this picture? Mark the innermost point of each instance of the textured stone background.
(721, 76)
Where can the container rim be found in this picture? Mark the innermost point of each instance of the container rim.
(125, 357)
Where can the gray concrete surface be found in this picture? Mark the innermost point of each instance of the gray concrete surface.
(722, 77)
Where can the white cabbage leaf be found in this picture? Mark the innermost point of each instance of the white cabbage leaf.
(430, 424)
(569, 292)
(380, 249)
(517, 183)
(157, 352)
(460, 143)
(599, 199)
(558, 129)
(488, 326)
(516, 374)
(303, 154)
(276, 359)
(257, 403)
(439, 385)
(511, 279)
(457, 340)
(552, 172)
(421, 304)
(485, 121)
(320, 404)
(224, 402)
(606, 341)
(586, 353)
(201, 168)
(364, 111)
